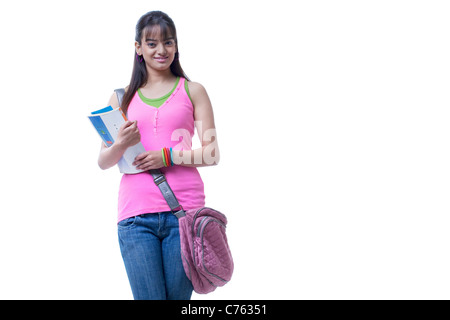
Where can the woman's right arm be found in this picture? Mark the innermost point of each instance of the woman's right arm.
(128, 136)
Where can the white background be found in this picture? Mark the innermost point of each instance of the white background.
(332, 119)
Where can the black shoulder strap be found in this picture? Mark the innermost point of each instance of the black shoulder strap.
(159, 178)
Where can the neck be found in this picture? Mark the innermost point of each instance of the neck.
(158, 77)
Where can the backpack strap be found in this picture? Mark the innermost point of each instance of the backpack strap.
(120, 93)
(161, 182)
(159, 178)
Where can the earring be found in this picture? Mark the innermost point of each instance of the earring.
(140, 58)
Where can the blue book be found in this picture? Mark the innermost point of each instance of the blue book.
(108, 108)
(107, 122)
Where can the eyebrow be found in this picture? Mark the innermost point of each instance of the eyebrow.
(171, 38)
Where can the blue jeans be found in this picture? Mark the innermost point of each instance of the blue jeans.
(150, 247)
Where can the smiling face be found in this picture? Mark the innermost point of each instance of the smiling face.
(157, 48)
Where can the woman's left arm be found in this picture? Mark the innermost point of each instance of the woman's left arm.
(208, 154)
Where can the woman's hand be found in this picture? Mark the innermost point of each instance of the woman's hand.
(128, 135)
(149, 160)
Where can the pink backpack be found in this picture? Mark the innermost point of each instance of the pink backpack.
(205, 252)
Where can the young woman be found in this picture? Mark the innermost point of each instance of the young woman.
(163, 108)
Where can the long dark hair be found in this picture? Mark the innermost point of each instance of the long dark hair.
(139, 75)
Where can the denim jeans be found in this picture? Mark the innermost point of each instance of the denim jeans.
(150, 247)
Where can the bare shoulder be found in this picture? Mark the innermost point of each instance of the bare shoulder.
(200, 100)
(196, 89)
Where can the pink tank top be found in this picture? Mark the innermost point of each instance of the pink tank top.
(171, 125)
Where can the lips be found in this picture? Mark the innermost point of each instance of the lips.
(161, 59)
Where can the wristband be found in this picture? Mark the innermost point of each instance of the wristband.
(167, 157)
(164, 157)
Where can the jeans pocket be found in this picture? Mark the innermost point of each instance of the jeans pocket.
(127, 223)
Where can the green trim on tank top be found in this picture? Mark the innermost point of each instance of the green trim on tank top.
(160, 101)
